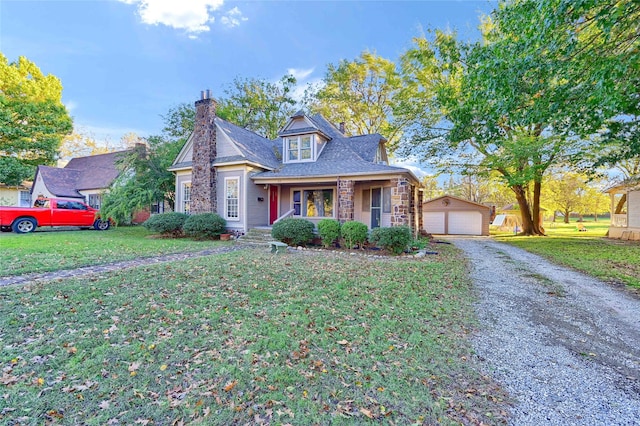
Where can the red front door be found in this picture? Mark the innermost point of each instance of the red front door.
(273, 204)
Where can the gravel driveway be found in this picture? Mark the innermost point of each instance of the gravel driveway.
(565, 346)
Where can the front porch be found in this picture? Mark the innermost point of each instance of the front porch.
(625, 212)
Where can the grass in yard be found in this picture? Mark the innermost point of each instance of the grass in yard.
(588, 251)
(247, 338)
(43, 251)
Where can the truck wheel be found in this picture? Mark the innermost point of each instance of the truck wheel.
(24, 225)
(100, 225)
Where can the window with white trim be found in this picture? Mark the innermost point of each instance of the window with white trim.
(299, 148)
(25, 199)
(186, 197)
(95, 201)
(313, 203)
(232, 198)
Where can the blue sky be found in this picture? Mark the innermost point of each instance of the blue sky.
(124, 63)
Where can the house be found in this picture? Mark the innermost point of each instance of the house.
(16, 195)
(452, 215)
(311, 171)
(83, 178)
(625, 210)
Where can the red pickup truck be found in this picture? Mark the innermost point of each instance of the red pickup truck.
(50, 212)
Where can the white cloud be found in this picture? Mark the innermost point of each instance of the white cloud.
(300, 74)
(193, 16)
(233, 18)
(71, 105)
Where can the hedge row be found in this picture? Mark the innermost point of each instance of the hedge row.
(200, 226)
(294, 231)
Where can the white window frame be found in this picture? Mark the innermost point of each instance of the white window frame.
(303, 211)
(227, 199)
(26, 201)
(184, 200)
(298, 140)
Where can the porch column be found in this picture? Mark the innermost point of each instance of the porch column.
(346, 193)
(400, 201)
(420, 197)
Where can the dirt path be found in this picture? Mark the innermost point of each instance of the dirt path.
(564, 345)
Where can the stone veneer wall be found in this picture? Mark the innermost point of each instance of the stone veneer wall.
(203, 175)
(346, 194)
(400, 201)
(419, 210)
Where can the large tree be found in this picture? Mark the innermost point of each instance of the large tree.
(259, 105)
(593, 47)
(33, 120)
(368, 95)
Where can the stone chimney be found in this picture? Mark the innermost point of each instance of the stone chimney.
(203, 175)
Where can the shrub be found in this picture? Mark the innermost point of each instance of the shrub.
(293, 231)
(204, 226)
(166, 223)
(395, 239)
(354, 233)
(329, 231)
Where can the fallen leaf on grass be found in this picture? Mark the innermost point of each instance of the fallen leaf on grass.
(229, 386)
(342, 342)
(366, 412)
(104, 405)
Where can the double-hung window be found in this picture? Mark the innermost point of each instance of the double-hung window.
(232, 198)
(25, 199)
(299, 148)
(313, 203)
(186, 197)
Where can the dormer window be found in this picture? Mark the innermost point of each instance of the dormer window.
(299, 148)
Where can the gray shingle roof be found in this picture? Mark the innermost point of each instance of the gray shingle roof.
(96, 171)
(253, 147)
(341, 156)
(81, 173)
(61, 182)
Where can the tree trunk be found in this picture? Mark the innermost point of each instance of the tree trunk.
(595, 217)
(537, 223)
(567, 212)
(528, 225)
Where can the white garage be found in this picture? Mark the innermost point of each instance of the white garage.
(455, 216)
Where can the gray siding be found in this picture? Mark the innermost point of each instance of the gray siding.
(225, 146)
(221, 176)
(257, 211)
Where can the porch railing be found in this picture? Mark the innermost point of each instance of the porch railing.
(284, 216)
(619, 220)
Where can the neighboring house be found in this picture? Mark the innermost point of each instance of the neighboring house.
(625, 210)
(312, 171)
(83, 178)
(16, 196)
(452, 215)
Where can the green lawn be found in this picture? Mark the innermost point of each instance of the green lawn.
(588, 251)
(53, 250)
(247, 338)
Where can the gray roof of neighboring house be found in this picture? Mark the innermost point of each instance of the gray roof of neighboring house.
(60, 182)
(92, 172)
(96, 171)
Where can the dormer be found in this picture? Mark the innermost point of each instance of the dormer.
(381, 154)
(302, 140)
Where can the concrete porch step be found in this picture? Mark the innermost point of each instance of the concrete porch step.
(261, 235)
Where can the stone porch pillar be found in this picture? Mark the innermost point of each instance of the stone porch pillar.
(400, 201)
(346, 196)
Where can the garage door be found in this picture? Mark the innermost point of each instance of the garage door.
(433, 222)
(465, 223)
